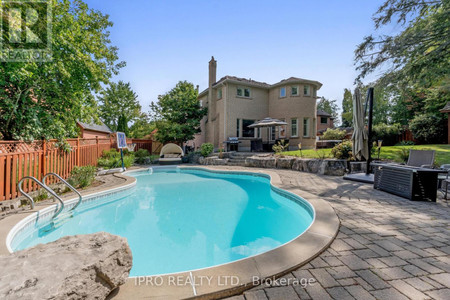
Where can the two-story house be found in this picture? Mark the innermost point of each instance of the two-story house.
(235, 103)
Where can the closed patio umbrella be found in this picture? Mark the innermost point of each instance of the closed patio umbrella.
(360, 147)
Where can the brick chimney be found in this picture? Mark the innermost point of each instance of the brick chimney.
(212, 71)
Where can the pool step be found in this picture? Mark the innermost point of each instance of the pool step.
(57, 222)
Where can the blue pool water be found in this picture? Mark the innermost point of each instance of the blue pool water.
(184, 219)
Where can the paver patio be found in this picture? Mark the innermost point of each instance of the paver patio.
(387, 247)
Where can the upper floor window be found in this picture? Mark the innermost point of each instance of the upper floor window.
(306, 90)
(243, 92)
(219, 94)
(282, 92)
(294, 90)
(323, 120)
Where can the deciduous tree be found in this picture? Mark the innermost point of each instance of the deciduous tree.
(44, 99)
(178, 114)
(118, 100)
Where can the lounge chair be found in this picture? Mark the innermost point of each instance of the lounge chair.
(421, 158)
(170, 154)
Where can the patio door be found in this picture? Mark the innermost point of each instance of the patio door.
(272, 133)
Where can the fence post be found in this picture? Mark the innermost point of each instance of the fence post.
(98, 150)
(44, 153)
(78, 151)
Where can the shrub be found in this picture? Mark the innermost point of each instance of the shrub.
(81, 177)
(111, 159)
(404, 154)
(428, 129)
(405, 143)
(342, 150)
(113, 153)
(334, 134)
(280, 147)
(142, 155)
(206, 149)
(42, 195)
(387, 133)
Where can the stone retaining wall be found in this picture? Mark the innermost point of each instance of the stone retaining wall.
(334, 167)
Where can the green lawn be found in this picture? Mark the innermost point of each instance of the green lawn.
(388, 152)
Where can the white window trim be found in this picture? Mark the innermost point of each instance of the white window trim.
(298, 90)
(296, 125)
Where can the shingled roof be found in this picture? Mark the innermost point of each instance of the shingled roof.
(251, 82)
(446, 108)
(323, 113)
(96, 127)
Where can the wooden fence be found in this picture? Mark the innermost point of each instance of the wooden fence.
(19, 159)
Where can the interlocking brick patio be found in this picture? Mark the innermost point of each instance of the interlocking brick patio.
(387, 247)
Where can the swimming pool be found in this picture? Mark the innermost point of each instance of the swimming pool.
(181, 219)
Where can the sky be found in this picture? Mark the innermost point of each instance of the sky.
(164, 42)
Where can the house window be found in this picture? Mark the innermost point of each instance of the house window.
(294, 90)
(306, 127)
(323, 120)
(246, 131)
(258, 132)
(272, 133)
(282, 92)
(219, 94)
(306, 90)
(243, 92)
(294, 127)
(238, 128)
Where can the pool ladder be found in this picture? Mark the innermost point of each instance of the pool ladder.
(48, 189)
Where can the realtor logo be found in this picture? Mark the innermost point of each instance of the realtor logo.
(25, 28)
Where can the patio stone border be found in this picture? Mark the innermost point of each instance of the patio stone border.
(224, 280)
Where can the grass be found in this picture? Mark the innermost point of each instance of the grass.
(387, 153)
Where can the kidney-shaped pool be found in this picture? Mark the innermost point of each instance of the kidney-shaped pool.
(179, 219)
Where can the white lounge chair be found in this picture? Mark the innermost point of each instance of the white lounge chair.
(170, 154)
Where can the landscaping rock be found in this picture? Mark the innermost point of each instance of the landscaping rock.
(334, 167)
(213, 161)
(358, 167)
(73, 267)
(285, 162)
(311, 165)
(297, 165)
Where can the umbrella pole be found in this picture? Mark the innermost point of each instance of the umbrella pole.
(369, 135)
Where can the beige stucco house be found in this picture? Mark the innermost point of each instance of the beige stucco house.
(235, 103)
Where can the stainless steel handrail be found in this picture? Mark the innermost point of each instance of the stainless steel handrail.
(80, 198)
(61, 207)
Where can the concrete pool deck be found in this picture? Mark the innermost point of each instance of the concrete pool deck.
(387, 247)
